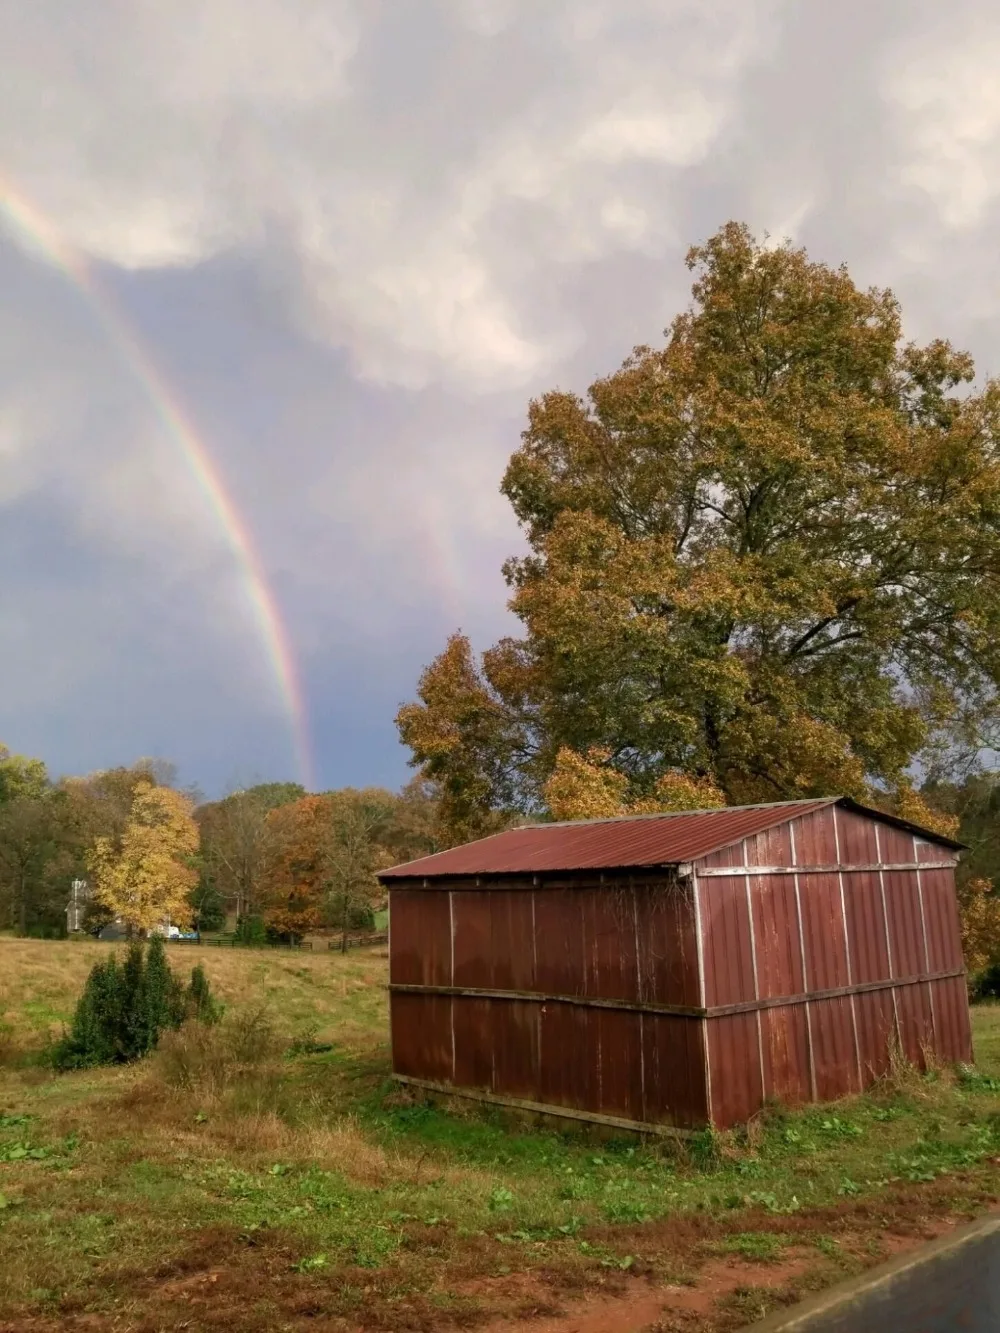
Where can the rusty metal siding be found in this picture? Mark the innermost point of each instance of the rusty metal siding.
(876, 1026)
(833, 1055)
(421, 945)
(785, 1045)
(932, 851)
(776, 932)
(906, 936)
(953, 1034)
(857, 839)
(916, 1022)
(422, 1036)
(814, 839)
(944, 934)
(866, 926)
(673, 1060)
(734, 1059)
(825, 941)
(667, 948)
(728, 951)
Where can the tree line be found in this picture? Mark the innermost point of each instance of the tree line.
(269, 860)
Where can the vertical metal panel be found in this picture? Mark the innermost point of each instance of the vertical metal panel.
(674, 1089)
(857, 839)
(833, 1048)
(609, 943)
(847, 944)
(786, 1054)
(944, 935)
(665, 930)
(953, 1037)
(472, 1024)
(916, 1023)
(876, 1027)
(866, 926)
(566, 1056)
(933, 851)
(421, 953)
(422, 1040)
(906, 936)
(776, 930)
(896, 844)
(619, 1043)
(737, 1091)
(516, 1037)
(813, 838)
(473, 943)
(559, 935)
(512, 954)
(726, 856)
(726, 941)
(823, 931)
(770, 847)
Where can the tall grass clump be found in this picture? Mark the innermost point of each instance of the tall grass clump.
(126, 1007)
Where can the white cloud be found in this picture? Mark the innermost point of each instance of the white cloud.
(945, 95)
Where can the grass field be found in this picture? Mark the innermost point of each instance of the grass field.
(264, 1175)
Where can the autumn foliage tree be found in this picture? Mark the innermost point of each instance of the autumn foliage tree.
(145, 877)
(764, 558)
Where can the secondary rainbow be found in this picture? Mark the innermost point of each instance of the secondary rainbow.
(34, 228)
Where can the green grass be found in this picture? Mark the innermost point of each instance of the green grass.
(241, 1196)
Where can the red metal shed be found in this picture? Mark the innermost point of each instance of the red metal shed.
(678, 969)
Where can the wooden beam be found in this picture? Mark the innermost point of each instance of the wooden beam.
(545, 1108)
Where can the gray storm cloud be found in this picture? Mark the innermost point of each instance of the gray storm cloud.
(359, 237)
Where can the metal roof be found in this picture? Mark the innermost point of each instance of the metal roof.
(625, 842)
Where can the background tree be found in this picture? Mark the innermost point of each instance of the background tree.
(360, 827)
(146, 877)
(235, 843)
(36, 862)
(764, 556)
(293, 873)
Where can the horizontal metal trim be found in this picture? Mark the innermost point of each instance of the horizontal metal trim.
(837, 992)
(538, 997)
(673, 1010)
(545, 1108)
(724, 872)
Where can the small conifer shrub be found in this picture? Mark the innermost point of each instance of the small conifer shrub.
(125, 1007)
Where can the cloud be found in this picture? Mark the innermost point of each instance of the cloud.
(358, 238)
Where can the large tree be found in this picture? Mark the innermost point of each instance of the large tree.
(765, 555)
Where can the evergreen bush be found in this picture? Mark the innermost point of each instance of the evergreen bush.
(124, 1009)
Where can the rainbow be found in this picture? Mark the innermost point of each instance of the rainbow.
(34, 230)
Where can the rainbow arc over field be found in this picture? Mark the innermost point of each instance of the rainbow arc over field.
(39, 235)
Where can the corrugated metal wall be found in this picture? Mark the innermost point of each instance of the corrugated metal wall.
(816, 944)
(537, 994)
(853, 934)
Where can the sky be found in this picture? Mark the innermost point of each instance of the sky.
(278, 279)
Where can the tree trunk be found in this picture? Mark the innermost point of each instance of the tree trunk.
(347, 908)
(22, 910)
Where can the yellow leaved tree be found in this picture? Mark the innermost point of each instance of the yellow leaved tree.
(145, 877)
(588, 787)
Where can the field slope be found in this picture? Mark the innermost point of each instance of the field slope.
(264, 1175)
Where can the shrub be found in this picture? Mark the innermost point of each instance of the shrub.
(123, 1010)
(201, 1003)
